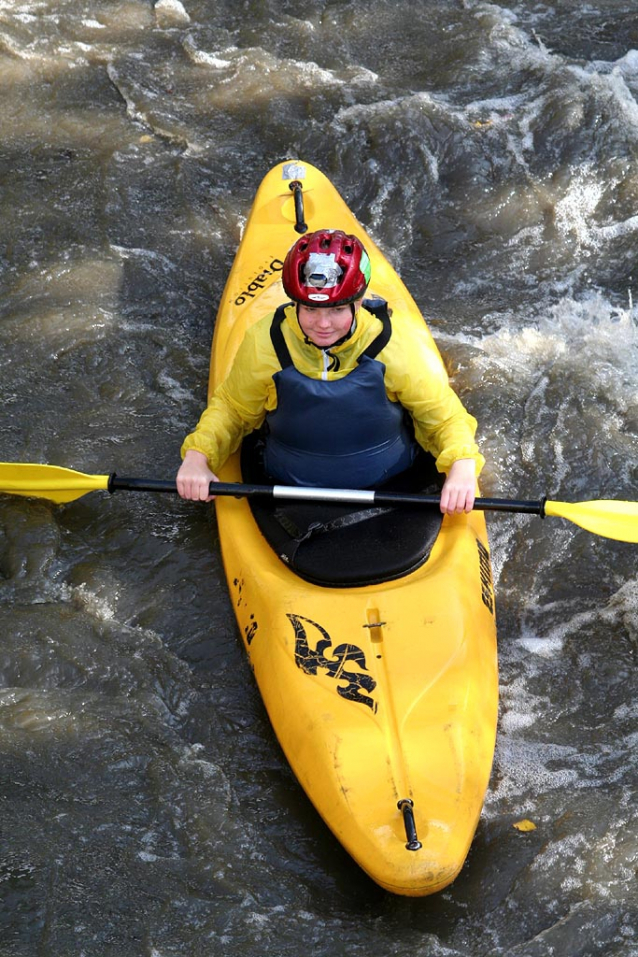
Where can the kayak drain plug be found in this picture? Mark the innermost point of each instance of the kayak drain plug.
(405, 805)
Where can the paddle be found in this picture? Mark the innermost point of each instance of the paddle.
(609, 518)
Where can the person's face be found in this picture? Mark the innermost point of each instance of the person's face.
(326, 325)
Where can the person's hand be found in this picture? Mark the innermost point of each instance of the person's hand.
(459, 489)
(194, 478)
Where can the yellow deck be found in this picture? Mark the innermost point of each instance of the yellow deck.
(378, 693)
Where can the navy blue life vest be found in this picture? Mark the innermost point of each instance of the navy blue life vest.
(343, 433)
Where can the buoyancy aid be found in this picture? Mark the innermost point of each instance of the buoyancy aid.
(344, 433)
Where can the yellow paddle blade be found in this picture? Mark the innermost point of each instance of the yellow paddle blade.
(48, 481)
(609, 518)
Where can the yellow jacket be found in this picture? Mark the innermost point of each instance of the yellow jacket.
(413, 376)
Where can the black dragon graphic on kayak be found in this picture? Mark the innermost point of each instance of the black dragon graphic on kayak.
(358, 685)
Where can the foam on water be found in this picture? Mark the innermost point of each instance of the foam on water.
(497, 170)
(549, 331)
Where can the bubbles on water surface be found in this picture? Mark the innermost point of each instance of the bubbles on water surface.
(493, 159)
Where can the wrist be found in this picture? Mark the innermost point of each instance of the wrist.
(196, 457)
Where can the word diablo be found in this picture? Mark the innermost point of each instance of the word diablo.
(259, 282)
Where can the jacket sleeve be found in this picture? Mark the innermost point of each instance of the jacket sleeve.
(239, 404)
(417, 378)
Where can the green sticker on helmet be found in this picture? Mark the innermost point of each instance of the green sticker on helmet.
(365, 266)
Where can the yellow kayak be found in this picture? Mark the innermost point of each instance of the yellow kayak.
(382, 689)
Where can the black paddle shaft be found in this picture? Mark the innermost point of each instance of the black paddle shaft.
(363, 497)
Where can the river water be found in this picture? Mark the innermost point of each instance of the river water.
(491, 150)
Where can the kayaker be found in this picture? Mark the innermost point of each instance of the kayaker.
(330, 377)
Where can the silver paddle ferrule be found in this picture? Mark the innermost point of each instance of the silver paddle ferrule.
(323, 494)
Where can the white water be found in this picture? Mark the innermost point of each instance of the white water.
(491, 151)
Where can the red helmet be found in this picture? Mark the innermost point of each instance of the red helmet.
(326, 268)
